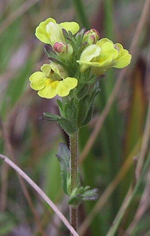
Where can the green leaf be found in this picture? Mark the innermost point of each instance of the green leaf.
(70, 111)
(67, 125)
(63, 156)
(82, 91)
(50, 117)
(80, 194)
(60, 104)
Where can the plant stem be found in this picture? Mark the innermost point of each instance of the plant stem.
(74, 177)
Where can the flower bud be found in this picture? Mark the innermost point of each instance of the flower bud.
(64, 50)
(91, 36)
(59, 47)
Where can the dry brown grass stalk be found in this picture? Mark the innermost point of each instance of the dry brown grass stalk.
(9, 149)
(40, 192)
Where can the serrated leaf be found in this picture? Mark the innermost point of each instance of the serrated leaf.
(67, 125)
(60, 104)
(70, 111)
(82, 91)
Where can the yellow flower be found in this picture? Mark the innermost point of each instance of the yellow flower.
(52, 80)
(103, 55)
(50, 32)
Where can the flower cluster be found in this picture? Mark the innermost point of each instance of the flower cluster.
(76, 58)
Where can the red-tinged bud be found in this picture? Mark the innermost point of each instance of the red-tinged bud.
(91, 36)
(64, 50)
(59, 47)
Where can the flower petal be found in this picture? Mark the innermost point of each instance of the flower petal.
(46, 69)
(66, 85)
(50, 90)
(70, 26)
(123, 59)
(37, 80)
(90, 52)
(54, 31)
(101, 42)
(41, 33)
(108, 50)
(59, 70)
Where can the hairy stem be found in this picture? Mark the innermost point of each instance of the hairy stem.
(74, 176)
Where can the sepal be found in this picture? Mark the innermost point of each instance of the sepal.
(79, 36)
(68, 37)
(49, 51)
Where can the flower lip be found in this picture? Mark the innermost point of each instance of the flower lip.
(52, 81)
(70, 26)
(50, 32)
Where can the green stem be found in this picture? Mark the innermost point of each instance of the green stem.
(74, 176)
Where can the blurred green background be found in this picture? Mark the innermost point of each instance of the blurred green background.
(114, 147)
